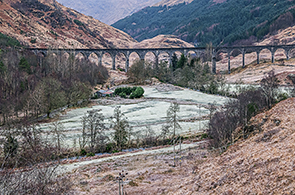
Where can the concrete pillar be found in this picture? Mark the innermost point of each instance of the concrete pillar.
(127, 64)
(243, 52)
(258, 53)
(114, 62)
(228, 55)
(99, 60)
(272, 57)
(156, 61)
(287, 54)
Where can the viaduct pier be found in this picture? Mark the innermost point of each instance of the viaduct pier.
(214, 51)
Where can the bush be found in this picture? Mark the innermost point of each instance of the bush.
(137, 93)
(122, 95)
(33, 40)
(83, 152)
(90, 154)
(132, 183)
(204, 135)
(282, 96)
(78, 22)
(109, 147)
(126, 90)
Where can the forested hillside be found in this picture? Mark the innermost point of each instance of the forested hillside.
(219, 22)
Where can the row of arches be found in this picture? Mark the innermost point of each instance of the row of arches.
(243, 56)
(123, 58)
(118, 59)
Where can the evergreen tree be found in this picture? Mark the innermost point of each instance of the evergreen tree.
(121, 126)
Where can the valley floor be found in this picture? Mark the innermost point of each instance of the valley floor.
(262, 164)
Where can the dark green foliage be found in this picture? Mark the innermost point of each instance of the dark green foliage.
(126, 90)
(109, 147)
(282, 96)
(204, 21)
(6, 41)
(181, 62)
(133, 92)
(252, 109)
(121, 125)
(174, 61)
(204, 136)
(78, 22)
(213, 88)
(90, 154)
(24, 65)
(2, 67)
(138, 93)
(10, 146)
(33, 40)
(122, 95)
(83, 152)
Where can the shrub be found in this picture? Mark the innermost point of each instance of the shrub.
(78, 22)
(282, 96)
(137, 93)
(33, 40)
(90, 154)
(109, 147)
(122, 95)
(132, 183)
(204, 135)
(83, 152)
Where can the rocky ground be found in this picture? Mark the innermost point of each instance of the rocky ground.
(262, 164)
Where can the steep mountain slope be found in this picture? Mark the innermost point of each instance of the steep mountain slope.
(216, 21)
(46, 23)
(108, 11)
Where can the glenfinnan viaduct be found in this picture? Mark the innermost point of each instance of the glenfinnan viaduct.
(170, 51)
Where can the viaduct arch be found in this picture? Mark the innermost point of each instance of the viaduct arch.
(170, 51)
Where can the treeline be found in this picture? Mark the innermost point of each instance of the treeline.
(94, 139)
(185, 72)
(31, 85)
(232, 122)
(204, 21)
(6, 41)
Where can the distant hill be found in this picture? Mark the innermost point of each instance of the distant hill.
(46, 23)
(221, 22)
(108, 11)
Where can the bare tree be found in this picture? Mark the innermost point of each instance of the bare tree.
(57, 133)
(149, 137)
(93, 124)
(269, 85)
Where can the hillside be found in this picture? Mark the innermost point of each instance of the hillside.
(216, 21)
(40, 23)
(262, 164)
(104, 10)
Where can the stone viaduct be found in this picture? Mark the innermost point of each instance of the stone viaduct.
(170, 51)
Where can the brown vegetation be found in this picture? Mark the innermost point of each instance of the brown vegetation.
(50, 24)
